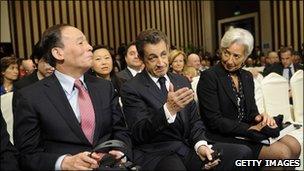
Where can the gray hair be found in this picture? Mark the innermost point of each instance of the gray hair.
(240, 36)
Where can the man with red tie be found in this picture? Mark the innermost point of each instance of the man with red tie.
(60, 119)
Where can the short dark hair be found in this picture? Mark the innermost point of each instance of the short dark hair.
(150, 36)
(96, 47)
(51, 38)
(285, 49)
(37, 52)
(127, 48)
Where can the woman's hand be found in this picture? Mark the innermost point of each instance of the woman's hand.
(264, 119)
(257, 127)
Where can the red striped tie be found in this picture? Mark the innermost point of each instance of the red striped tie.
(86, 111)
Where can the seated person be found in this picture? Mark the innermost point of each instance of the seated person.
(9, 74)
(227, 105)
(193, 77)
(26, 67)
(177, 60)
(162, 115)
(8, 153)
(103, 64)
(43, 70)
(134, 64)
(286, 67)
(190, 73)
(60, 119)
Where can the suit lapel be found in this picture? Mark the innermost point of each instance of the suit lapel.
(57, 96)
(129, 73)
(96, 105)
(226, 83)
(152, 87)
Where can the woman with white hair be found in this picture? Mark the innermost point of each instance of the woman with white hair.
(227, 105)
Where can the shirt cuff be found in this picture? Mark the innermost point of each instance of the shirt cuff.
(58, 162)
(170, 118)
(200, 143)
(124, 159)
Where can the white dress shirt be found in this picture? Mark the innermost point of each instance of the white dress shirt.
(133, 71)
(286, 71)
(67, 83)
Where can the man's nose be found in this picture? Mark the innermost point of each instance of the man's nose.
(160, 61)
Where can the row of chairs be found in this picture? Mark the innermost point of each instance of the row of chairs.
(272, 94)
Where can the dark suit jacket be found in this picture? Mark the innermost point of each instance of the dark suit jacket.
(26, 81)
(45, 126)
(8, 153)
(125, 75)
(278, 68)
(218, 105)
(143, 108)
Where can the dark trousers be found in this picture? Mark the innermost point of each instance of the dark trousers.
(230, 153)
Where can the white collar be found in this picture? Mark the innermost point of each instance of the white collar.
(67, 82)
(133, 71)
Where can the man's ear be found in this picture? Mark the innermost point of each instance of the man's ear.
(57, 53)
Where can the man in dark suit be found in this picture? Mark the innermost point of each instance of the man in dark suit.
(8, 153)
(166, 127)
(60, 119)
(134, 64)
(43, 70)
(286, 67)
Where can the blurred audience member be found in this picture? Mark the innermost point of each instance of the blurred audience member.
(297, 59)
(205, 64)
(26, 67)
(249, 62)
(261, 61)
(190, 72)
(9, 74)
(177, 59)
(194, 60)
(103, 65)
(272, 58)
(257, 52)
(134, 64)
(285, 67)
(193, 77)
(43, 70)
